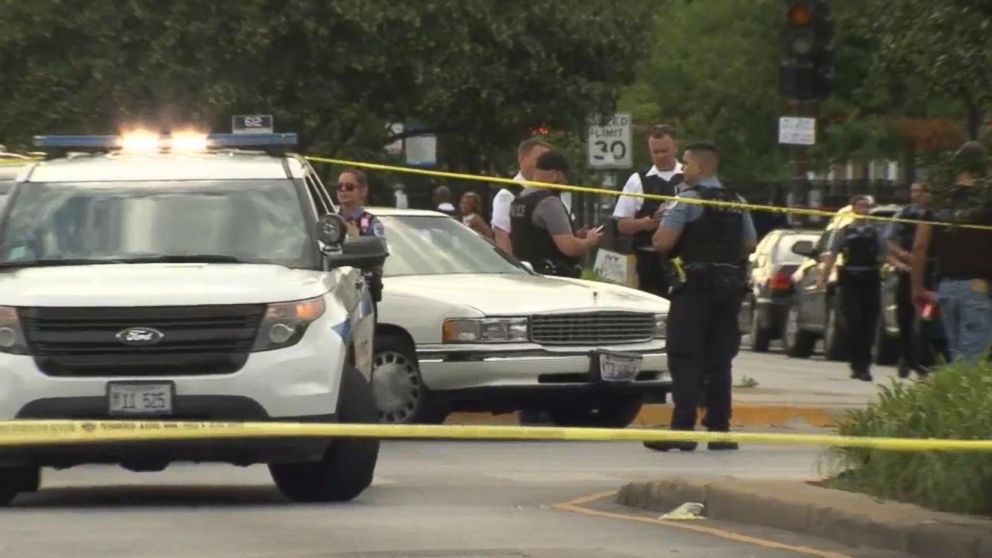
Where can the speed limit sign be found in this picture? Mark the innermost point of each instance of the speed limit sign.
(609, 146)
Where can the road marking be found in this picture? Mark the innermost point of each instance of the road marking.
(577, 506)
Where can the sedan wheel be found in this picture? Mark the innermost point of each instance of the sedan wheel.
(400, 394)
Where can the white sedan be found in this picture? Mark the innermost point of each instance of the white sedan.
(464, 327)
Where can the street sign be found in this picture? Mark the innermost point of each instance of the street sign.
(796, 130)
(252, 124)
(609, 146)
(421, 151)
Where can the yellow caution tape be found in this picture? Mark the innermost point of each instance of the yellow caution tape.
(22, 433)
(607, 192)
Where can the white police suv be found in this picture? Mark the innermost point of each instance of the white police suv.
(184, 277)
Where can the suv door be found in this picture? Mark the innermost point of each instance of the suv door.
(810, 300)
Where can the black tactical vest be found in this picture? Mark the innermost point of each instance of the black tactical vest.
(654, 185)
(860, 246)
(534, 244)
(716, 237)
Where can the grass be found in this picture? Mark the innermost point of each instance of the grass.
(955, 402)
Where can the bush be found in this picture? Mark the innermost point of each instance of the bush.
(955, 402)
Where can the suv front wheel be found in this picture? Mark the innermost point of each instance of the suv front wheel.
(348, 465)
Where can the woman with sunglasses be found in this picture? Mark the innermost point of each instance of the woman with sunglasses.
(353, 188)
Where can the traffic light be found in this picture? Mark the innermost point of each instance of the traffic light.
(806, 71)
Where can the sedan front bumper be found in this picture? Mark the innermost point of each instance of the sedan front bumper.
(461, 371)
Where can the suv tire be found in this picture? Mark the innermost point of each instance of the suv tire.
(834, 336)
(761, 339)
(349, 463)
(798, 343)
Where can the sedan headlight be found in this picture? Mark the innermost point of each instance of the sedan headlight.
(660, 326)
(485, 330)
(286, 322)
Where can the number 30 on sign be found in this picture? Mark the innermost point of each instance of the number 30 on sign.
(609, 145)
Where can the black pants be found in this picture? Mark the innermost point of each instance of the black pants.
(860, 299)
(703, 339)
(652, 272)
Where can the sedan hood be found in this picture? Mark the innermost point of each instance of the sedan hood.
(156, 285)
(517, 295)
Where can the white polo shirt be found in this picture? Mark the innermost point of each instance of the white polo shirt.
(628, 206)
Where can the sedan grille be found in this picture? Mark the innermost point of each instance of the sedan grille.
(193, 339)
(599, 328)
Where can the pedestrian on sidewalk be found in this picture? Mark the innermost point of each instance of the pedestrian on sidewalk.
(919, 345)
(640, 217)
(442, 200)
(964, 264)
(703, 336)
(860, 283)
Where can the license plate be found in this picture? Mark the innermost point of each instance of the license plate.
(139, 398)
(618, 368)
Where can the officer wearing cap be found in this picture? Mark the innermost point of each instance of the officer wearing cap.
(541, 230)
(964, 268)
(860, 282)
(713, 242)
(640, 217)
(353, 188)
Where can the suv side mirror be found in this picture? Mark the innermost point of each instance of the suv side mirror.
(364, 252)
(804, 248)
(331, 231)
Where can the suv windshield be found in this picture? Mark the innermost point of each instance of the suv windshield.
(253, 221)
(421, 245)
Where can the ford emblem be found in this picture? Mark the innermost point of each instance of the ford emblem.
(140, 336)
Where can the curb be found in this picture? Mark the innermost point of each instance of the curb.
(744, 415)
(846, 517)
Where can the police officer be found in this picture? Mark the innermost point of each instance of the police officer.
(860, 283)
(353, 188)
(964, 268)
(541, 230)
(918, 346)
(703, 336)
(640, 217)
(527, 153)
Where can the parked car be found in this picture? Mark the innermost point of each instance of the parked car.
(815, 312)
(464, 326)
(770, 289)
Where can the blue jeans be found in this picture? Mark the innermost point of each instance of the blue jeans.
(967, 317)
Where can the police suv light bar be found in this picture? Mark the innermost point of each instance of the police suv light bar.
(150, 142)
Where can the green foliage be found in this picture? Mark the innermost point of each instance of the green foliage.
(477, 72)
(956, 402)
(713, 73)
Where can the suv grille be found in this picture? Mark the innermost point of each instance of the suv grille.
(599, 328)
(196, 340)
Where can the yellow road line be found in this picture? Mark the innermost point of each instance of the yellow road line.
(578, 506)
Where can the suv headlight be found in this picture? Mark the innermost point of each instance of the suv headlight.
(11, 334)
(485, 330)
(285, 323)
(660, 326)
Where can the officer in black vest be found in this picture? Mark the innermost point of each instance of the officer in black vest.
(860, 284)
(541, 230)
(703, 336)
(640, 217)
(964, 268)
(353, 187)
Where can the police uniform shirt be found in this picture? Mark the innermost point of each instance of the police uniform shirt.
(837, 242)
(678, 214)
(501, 207)
(628, 206)
(551, 214)
(372, 228)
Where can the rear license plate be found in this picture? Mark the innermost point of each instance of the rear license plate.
(618, 368)
(140, 399)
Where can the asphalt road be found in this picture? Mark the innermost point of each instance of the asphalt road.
(453, 500)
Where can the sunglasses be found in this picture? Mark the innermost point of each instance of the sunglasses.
(347, 187)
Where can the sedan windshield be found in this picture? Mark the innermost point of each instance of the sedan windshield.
(423, 245)
(252, 221)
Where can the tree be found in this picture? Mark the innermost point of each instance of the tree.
(476, 72)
